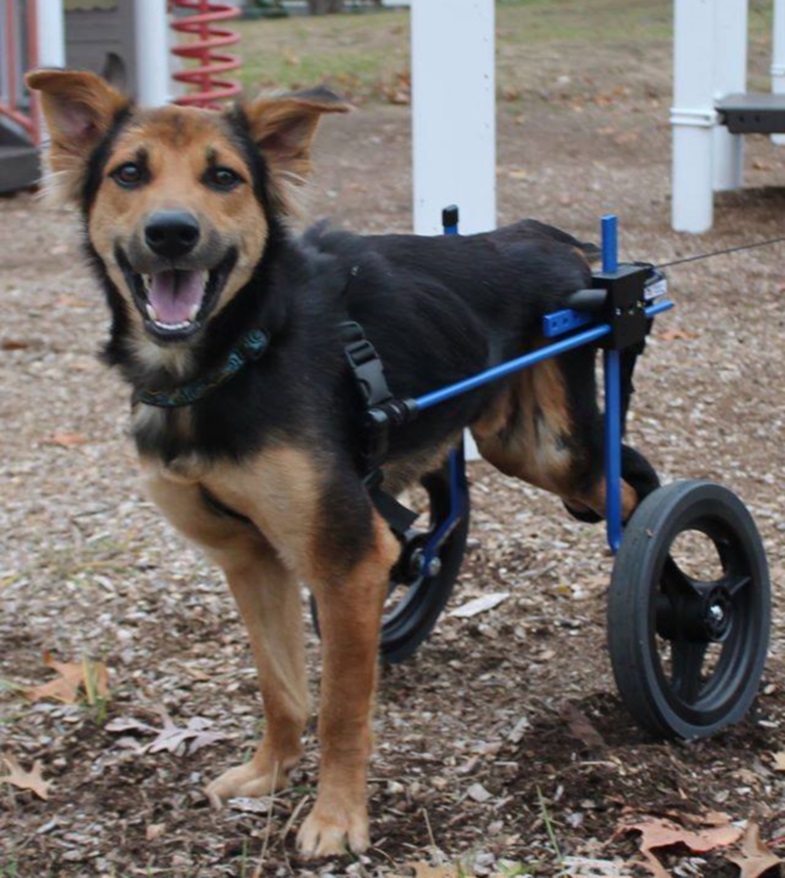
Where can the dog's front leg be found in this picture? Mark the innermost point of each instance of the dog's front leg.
(350, 608)
(268, 597)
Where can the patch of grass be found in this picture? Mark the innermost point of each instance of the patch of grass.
(547, 820)
(365, 56)
(97, 701)
(357, 55)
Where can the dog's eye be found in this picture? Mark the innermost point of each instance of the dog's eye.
(130, 174)
(222, 178)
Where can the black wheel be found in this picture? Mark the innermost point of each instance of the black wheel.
(422, 580)
(418, 595)
(689, 611)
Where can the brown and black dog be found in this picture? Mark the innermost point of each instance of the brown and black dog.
(254, 452)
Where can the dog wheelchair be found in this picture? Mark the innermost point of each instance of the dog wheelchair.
(687, 653)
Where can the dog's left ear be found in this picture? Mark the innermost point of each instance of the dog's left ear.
(284, 127)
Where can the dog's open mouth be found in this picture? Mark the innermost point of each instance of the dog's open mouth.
(176, 302)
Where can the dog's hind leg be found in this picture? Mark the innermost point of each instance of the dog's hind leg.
(545, 428)
(268, 598)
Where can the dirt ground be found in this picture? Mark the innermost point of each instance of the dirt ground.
(484, 763)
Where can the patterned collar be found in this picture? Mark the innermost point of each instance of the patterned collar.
(250, 347)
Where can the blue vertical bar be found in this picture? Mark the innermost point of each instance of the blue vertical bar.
(610, 250)
(613, 448)
(612, 368)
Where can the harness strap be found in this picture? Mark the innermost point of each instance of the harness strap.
(380, 406)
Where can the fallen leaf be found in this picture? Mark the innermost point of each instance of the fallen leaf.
(71, 302)
(172, 738)
(579, 727)
(779, 761)
(676, 335)
(66, 440)
(479, 605)
(754, 859)
(658, 833)
(14, 344)
(71, 676)
(26, 780)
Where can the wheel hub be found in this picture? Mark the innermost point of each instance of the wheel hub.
(717, 613)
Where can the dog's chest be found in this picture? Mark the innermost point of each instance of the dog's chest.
(155, 427)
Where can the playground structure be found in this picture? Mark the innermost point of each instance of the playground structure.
(712, 110)
(129, 42)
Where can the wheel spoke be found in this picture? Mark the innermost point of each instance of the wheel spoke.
(736, 583)
(676, 581)
(687, 658)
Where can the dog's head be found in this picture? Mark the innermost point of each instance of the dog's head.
(178, 203)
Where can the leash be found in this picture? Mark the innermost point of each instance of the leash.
(738, 249)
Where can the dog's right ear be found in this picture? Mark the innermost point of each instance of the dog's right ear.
(80, 108)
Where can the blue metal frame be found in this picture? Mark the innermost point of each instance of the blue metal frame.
(553, 325)
(459, 487)
(459, 505)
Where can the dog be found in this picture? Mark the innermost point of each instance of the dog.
(249, 430)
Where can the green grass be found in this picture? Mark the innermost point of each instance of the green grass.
(366, 57)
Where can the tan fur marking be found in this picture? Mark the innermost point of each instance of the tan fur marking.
(177, 142)
(595, 499)
(522, 435)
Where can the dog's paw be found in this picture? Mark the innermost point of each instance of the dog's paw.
(328, 829)
(247, 781)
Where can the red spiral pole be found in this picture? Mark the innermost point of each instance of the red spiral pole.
(206, 77)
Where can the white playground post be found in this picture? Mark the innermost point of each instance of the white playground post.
(152, 53)
(454, 118)
(693, 116)
(730, 77)
(50, 33)
(453, 113)
(778, 58)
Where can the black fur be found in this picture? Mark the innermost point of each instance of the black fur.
(436, 309)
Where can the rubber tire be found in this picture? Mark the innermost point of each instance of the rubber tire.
(660, 518)
(415, 615)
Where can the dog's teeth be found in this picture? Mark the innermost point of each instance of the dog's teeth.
(147, 280)
(194, 312)
(151, 312)
(184, 324)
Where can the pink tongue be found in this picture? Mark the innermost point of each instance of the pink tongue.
(173, 294)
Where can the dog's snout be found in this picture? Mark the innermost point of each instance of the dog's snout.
(171, 233)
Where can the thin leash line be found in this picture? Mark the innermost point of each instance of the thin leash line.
(721, 252)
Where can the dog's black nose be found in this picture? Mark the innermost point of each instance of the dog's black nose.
(171, 233)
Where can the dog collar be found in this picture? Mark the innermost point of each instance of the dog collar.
(250, 347)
